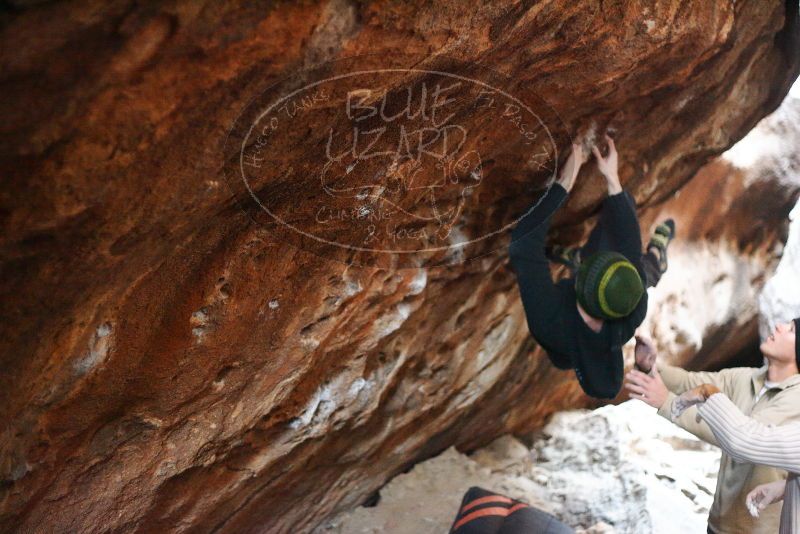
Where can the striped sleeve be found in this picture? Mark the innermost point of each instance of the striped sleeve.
(748, 440)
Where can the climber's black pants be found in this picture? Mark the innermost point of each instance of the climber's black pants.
(602, 238)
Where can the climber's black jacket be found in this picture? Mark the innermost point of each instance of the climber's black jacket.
(551, 309)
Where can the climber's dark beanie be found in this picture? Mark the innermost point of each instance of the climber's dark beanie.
(796, 343)
(608, 286)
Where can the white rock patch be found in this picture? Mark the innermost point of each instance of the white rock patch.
(780, 299)
(98, 349)
(619, 469)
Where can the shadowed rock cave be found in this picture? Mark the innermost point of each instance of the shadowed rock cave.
(187, 348)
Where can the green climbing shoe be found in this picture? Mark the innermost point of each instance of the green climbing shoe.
(661, 238)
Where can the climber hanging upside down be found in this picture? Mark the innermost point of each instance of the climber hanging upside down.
(583, 321)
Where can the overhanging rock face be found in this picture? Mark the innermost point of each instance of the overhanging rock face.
(172, 360)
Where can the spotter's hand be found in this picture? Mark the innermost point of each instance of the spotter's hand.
(649, 389)
(764, 495)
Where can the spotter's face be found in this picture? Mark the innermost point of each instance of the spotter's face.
(780, 343)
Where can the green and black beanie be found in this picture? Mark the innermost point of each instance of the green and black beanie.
(608, 285)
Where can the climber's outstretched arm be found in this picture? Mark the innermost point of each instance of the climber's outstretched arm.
(609, 166)
(619, 207)
(526, 251)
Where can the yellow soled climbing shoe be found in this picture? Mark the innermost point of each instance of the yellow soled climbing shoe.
(662, 236)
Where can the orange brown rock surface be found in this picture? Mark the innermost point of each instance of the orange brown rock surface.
(167, 365)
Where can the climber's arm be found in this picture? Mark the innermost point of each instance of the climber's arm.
(539, 295)
(624, 227)
(619, 207)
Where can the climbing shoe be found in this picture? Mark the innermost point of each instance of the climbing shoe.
(569, 256)
(662, 235)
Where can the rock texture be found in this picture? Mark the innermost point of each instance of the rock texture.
(732, 217)
(780, 299)
(618, 469)
(168, 365)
